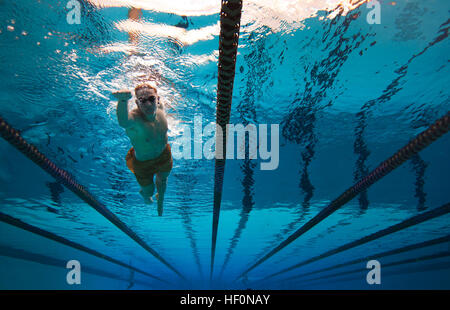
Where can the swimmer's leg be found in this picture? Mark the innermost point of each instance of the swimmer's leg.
(134, 14)
(161, 184)
(147, 192)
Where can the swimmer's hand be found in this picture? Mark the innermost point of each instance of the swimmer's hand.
(122, 95)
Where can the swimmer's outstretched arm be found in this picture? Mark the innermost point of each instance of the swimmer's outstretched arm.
(123, 116)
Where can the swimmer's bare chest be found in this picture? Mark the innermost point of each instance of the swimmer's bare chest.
(148, 138)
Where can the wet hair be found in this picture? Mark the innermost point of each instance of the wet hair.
(144, 85)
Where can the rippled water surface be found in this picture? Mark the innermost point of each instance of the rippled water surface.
(346, 94)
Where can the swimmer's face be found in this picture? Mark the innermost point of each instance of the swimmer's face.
(147, 100)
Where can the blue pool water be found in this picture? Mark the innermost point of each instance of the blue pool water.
(346, 94)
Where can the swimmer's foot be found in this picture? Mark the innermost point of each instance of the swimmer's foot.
(147, 199)
(160, 204)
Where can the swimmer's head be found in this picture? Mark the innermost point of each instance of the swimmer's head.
(146, 99)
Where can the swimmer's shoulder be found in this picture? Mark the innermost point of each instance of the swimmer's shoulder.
(162, 120)
(135, 117)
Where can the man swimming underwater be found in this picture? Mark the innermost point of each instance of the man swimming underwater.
(146, 126)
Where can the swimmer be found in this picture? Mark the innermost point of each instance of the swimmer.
(146, 126)
(134, 14)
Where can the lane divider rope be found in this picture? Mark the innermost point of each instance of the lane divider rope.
(230, 19)
(421, 141)
(49, 235)
(12, 136)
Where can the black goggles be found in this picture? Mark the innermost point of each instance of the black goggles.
(150, 99)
